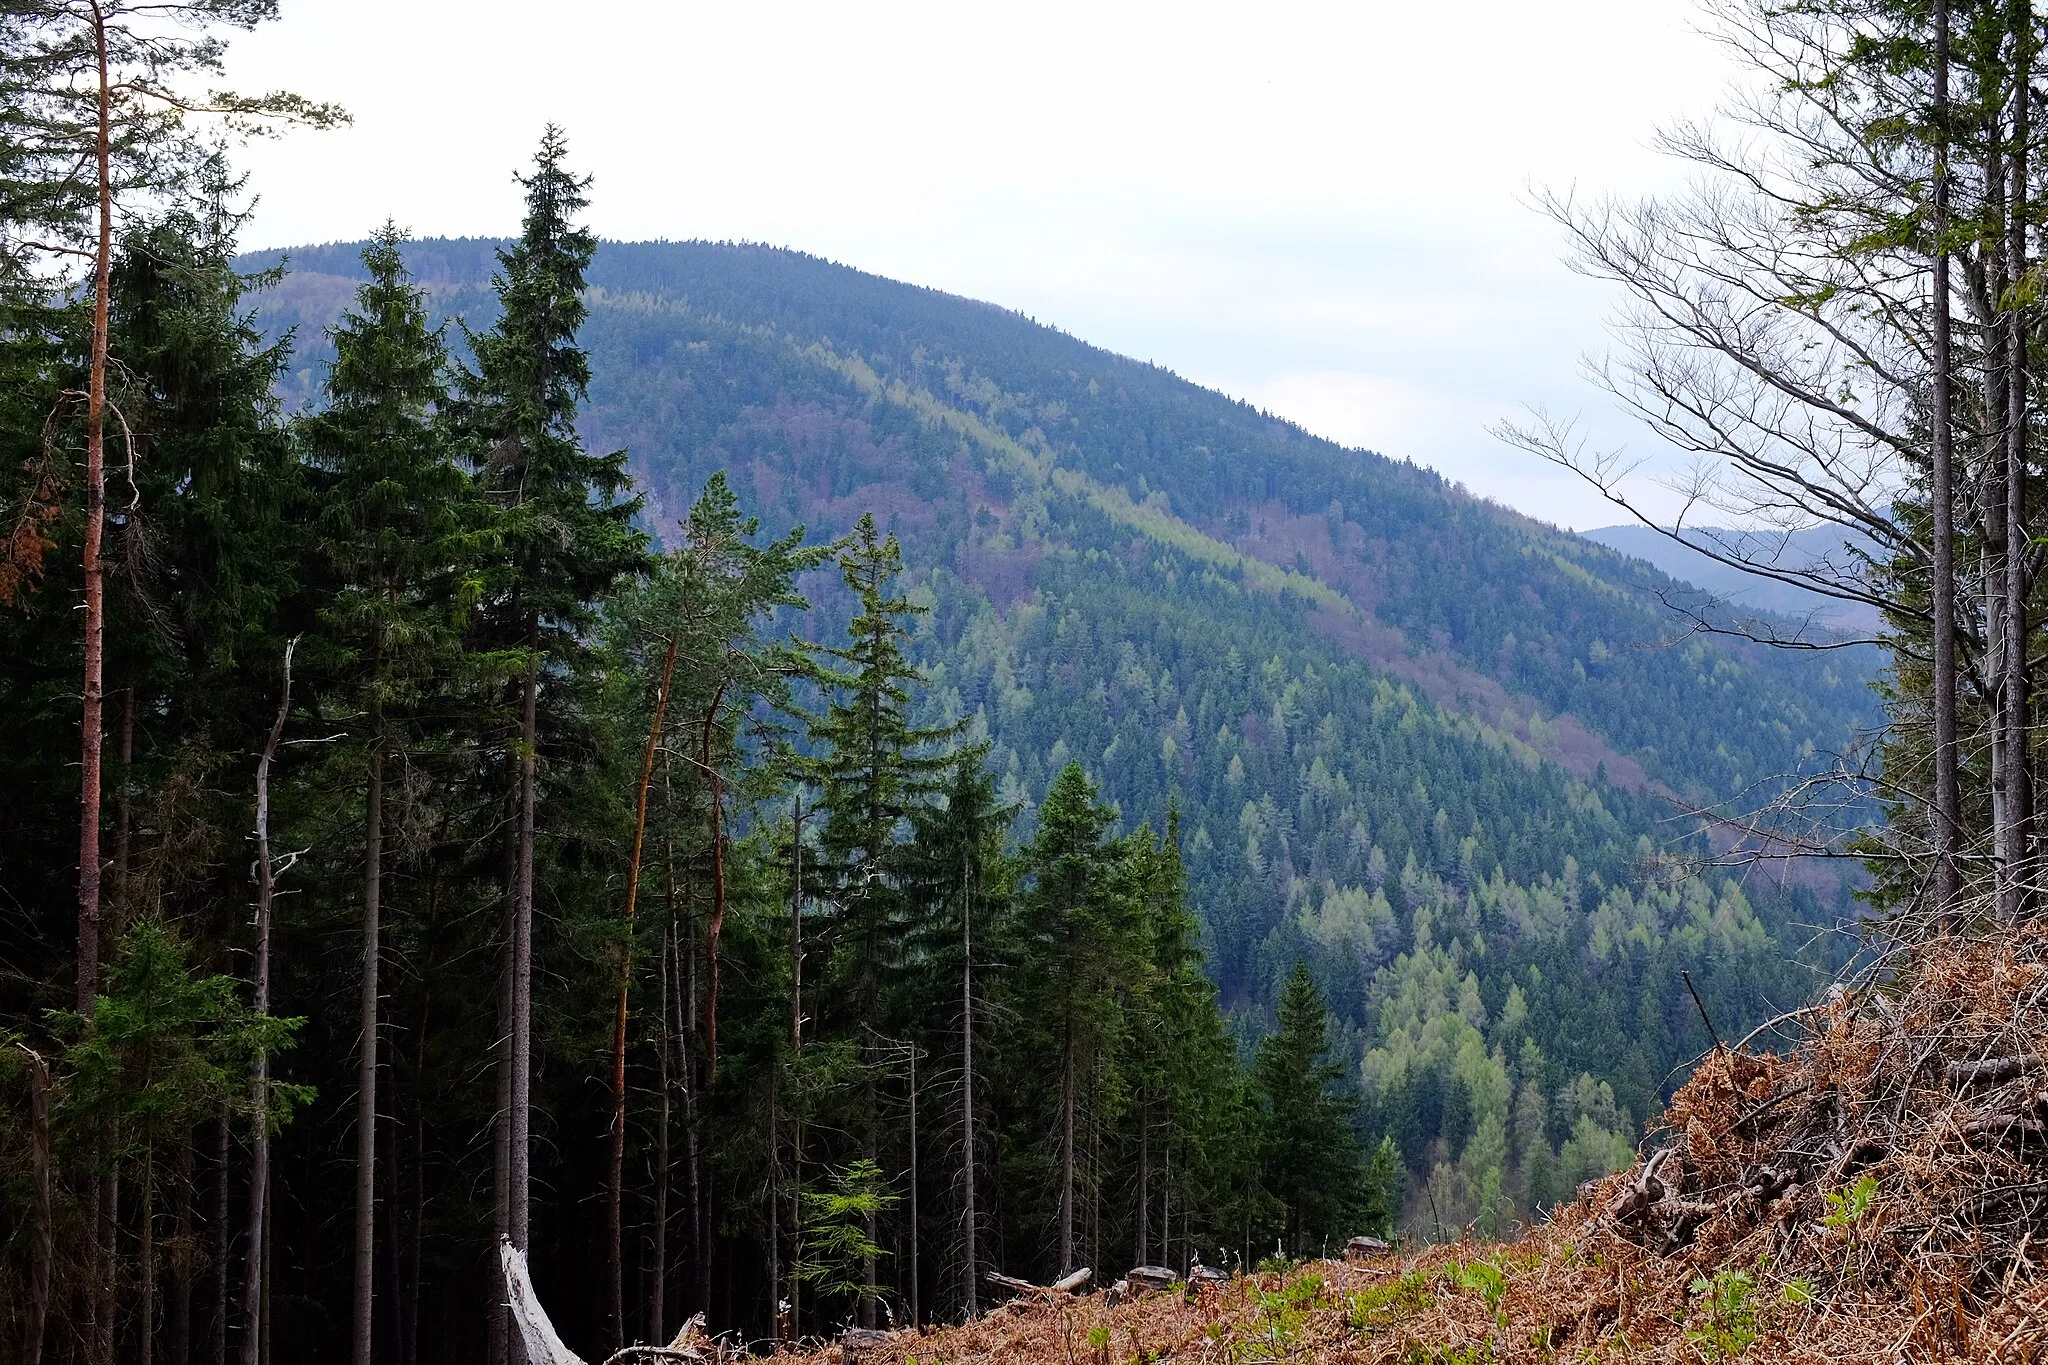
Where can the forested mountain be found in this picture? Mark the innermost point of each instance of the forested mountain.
(1417, 740)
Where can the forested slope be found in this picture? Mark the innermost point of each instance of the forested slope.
(1416, 739)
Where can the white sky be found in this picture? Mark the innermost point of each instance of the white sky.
(1315, 206)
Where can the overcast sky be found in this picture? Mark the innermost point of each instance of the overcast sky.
(1315, 206)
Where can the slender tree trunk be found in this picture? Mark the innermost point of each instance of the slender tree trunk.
(145, 1256)
(912, 1267)
(522, 964)
(500, 1343)
(107, 1252)
(657, 1297)
(1067, 1099)
(1094, 1167)
(259, 1083)
(969, 1216)
(1997, 553)
(716, 779)
(515, 1088)
(42, 1244)
(1144, 1181)
(615, 1235)
(181, 1264)
(1947, 794)
(266, 1337)
(91, 719)
(785, 1321)
(217, 1332)
(2017, 830)
(123, 821)
(774, 1198)
(693, 1186)
(363, 1319)
(391, 1180)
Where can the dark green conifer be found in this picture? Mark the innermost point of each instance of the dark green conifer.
(397, 533)
(1309, 1146)
(564, 524)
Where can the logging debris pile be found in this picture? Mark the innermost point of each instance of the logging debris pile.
(1878, 1193)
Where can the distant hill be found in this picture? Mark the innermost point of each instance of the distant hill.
(1394, 719)
(1747, 593)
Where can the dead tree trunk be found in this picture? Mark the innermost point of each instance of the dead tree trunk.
(259, 1082)
(2016, 832)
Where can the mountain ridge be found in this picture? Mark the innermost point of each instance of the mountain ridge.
(1371, 696)
(1264, 545)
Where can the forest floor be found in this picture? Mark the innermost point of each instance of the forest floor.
(1879, 1192)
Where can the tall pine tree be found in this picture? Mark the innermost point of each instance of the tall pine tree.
(395, 529)
(564, 524)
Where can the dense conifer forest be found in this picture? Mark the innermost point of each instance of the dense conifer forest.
(776, 791)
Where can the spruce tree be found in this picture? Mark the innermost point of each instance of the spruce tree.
(876, 769)
(396, 532)
(564, 524)
(961, 900)
(1309, 1148)
(1081, 931)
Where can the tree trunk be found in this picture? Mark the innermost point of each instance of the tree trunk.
(91, 720)
(259, 1083)
(107, 1253)
(1947, 819)
(1144, 1182)
(970, 1253)
(1067, 1151)
(217, 1331)
(123, 821)
(522, 964)
(717, 925)
(2016, 832)
(42, 1244)
(774, 1200)
(699, 1289)
(1998, 552)
(502, 1333)
(657, 1297)
(785, 1322)
(145, 1256)
(912, 1266)
(363, 1319)
(615, 1235)
(181, 1263)
(516, 1084)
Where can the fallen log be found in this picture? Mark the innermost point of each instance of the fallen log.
(1066, 1284)
(1992, 1070)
